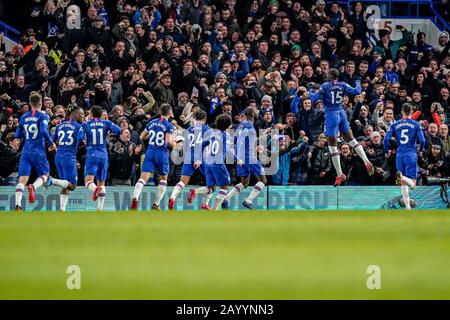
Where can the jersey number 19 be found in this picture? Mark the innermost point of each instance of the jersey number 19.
(31, 131)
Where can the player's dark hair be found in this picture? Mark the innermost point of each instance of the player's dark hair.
(223, 121)
(35, 100)
(10, 137)
(333, 74)
(200, 115)
(249, 113)
(76, 110)
(96, 111)
(407, 109)
(166, 109)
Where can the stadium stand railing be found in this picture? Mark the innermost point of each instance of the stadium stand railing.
(278, 198)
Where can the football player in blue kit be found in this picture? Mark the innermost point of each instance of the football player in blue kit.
(247, 162)
(220, 144)
(159, 131)
(33, 128)
(194, 137)
(406, 131)
(95, 132)
(67, 135)
(332, 93)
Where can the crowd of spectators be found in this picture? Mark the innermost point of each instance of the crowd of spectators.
(130, 56)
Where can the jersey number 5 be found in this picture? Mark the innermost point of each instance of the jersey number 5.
(404, 136)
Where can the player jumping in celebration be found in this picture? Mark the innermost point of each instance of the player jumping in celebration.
(193, 159)
(33, 127)
(247, 162)
(68, 134)
(332, 93)
(95, 132)
(406, 132)
(160, 134)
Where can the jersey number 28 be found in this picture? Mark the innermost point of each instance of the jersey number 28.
(156, 138)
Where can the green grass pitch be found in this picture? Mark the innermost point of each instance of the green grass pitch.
(232, 255)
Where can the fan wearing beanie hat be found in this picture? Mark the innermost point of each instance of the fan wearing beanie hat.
(266, 98)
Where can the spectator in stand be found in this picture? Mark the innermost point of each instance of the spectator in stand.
(445, 139)
(9, 157)
(375, 153)
(432, 136)
(435, 163)
(321, 171)
(123, 155)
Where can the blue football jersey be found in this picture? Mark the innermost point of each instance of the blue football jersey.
(68, 134)
(332, 93)
(246, 140)
(219, 145)
(95, 132)
(157, 130)
(407, 132)
(194, 138)
(33, 127)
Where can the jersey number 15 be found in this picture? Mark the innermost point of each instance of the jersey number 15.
(336, 97)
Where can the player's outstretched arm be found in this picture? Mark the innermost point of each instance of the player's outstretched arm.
(422, 140)
(80, 135)
(170, 140)
(114, 128)
(387, 137)
(144, 135)
(43, 127)
(19, 131)
(354, 90)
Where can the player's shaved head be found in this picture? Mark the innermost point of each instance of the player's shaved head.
(223, 121)
(166, 110)
(407, 109)
(77, 114)
(96, 111)
(333, 74)
(35, 101)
